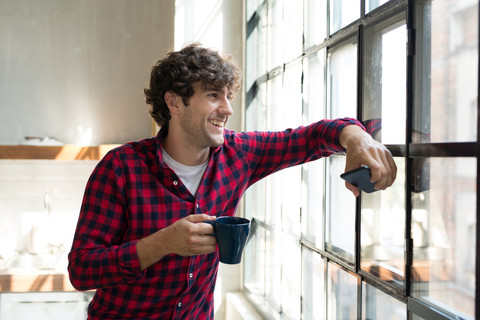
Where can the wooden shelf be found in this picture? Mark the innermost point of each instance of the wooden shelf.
(66, 152)
(35, 282)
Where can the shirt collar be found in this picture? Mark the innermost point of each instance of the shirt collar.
(162, 133)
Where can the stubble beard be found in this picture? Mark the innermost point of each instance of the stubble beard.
(204, 139)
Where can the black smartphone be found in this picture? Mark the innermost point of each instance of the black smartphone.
(360, 177)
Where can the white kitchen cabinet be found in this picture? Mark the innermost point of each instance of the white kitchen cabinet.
(44, 305)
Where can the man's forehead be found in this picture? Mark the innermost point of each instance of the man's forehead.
(201, 86)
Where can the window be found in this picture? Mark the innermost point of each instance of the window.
(409, 71)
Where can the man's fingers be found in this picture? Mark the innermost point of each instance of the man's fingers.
(353, 189)
(387, 171)
(393, 168)
(199, 242)
(200, 217)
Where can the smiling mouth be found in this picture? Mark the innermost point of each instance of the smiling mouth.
(216, 123)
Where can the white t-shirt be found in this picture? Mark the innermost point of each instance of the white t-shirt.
(190, 175)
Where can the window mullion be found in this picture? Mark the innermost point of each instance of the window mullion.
(408, 139)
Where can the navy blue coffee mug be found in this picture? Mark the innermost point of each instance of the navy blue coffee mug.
(231, 234)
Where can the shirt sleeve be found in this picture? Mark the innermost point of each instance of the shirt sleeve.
(268, 152)
(99, 256)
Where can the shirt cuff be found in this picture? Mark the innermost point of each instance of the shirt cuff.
(350, 121)
(342, 123)
(128, 262)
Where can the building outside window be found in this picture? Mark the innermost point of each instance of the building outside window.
(409, 71)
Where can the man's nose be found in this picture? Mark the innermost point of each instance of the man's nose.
(226, 107)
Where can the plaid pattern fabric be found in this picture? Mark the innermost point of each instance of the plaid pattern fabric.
(132, 193)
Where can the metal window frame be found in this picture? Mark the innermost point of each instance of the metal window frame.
(409, 151)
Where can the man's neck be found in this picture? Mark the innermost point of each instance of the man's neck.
(183, 152)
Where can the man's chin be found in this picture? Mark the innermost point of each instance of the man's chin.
(217, 141)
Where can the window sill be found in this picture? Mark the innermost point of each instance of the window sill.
(238, 308)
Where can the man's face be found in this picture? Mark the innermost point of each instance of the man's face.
(203, 119)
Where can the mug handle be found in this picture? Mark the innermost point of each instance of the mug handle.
(213, 225)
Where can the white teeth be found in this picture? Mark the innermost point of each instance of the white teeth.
(217, 123)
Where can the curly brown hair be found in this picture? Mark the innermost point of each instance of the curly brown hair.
(179, 70)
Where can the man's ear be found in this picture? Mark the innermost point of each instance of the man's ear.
(173, 102)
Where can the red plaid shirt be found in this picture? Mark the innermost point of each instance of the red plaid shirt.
(132, 193)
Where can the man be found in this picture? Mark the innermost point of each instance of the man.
(139, 240)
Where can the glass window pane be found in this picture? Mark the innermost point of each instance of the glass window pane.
(290, 191)
(252, 5)
(273, 269)
(313, 184)
(283, 204)
(256, 61)
(273, 199)
(313, 292)
(342, 13)
(293, 29)
(341, 294)
(254, 260)
(379, 305)
(291, 276)
(255, 205)
(342, 81)
(315, 22)
(444, 234)
(373, 4)
(384, 103)
(284, 199)
(275, 105)
(313, 202)
(291, 114)
(447, 38)
(285, 111)
(314, 88)
(383, 230)
(275, 34)
(340, 228)
(256, 113)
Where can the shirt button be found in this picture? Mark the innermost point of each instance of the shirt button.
(190, 275)
(179, 304)
(196, 205)
(175, 182)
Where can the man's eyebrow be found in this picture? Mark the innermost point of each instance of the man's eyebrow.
(207, 88)
(230, 93)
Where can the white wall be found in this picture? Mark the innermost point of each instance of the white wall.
(70, 69)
